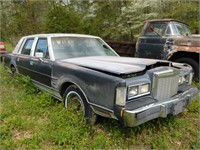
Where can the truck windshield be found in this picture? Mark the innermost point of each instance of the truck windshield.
(181, 29)
(71, 47)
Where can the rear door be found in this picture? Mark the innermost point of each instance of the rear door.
(24, 57)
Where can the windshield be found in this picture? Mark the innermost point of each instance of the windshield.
(70, 47)
(181, 29)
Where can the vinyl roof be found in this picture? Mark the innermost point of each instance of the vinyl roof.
(60, 35)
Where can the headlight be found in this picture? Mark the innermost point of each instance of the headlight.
(185, 79)
(132, 91)
(181, 79)
(139, 90)
(121, 96)
(144, 88)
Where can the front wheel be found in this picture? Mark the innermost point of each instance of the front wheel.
(193, 64)
(13, 71)
(75, 101)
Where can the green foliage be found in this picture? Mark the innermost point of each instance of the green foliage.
(187, 11)
(120, 20)
(22, 18)
(61, 19)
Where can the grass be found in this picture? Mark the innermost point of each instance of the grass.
(31, 119)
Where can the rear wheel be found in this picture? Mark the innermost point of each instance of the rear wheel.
(193, 64)
(75, 101)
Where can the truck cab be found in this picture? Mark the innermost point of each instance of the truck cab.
(169, 39)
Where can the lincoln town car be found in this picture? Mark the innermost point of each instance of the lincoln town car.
(86, 74)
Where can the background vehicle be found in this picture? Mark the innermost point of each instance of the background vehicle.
(166, 39)
(2, 50)
(170, 40)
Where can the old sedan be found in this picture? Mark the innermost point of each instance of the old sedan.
(87, 74)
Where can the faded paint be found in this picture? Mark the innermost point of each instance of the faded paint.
(98, 78)
(114, 65)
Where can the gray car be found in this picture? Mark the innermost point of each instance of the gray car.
(86, 74)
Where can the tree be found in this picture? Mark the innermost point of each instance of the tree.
(119, 20)
(62, 19)
(22, 18)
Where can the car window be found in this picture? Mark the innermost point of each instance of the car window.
(26, 50)
(168, 31)
(181, 29)
(42, 47)
(156, 29)
(71, 47)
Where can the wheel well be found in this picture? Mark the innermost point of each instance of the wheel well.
(64, 87)
(182, 54)
(11, 66)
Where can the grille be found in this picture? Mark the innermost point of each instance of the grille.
(165, 84)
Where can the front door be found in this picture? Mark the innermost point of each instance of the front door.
(41, 66)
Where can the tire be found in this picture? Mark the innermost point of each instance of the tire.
(193, 64)
(74, 101)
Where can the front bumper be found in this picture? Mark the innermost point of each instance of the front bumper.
(173, 106)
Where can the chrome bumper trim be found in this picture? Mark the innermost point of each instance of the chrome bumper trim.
(173, 106)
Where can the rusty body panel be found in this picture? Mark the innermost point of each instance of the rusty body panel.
(187, 41)
(186, 48)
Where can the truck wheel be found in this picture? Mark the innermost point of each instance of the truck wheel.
(193, 64)
(75, 101)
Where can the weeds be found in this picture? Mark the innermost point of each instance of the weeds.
(31, 119)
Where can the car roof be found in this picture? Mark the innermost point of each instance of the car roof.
(165, 20)
(60, 35)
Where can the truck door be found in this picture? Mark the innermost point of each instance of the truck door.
(151, 43)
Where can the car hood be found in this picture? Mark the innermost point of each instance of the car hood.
(113, 64)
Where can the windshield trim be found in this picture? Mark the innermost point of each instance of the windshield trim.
(112, 52)
(177, 32)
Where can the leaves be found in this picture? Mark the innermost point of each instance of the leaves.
(120, 20)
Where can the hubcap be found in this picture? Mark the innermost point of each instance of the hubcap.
(73, 103)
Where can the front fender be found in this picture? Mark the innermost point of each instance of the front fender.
(99, 88)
